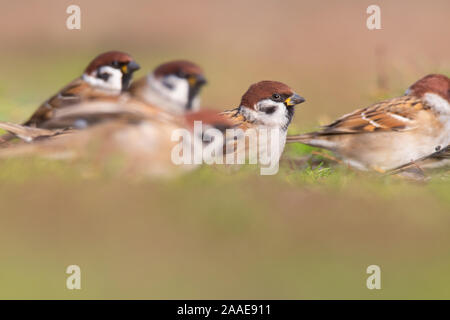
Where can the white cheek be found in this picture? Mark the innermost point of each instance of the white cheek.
(175, 98)
(180, 90)
(114, 82)
(277, 119)
(438, 103)
(196, 103)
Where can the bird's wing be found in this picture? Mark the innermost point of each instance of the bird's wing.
(100, 110)
(397, 114)
(74, 93)
(70, 94)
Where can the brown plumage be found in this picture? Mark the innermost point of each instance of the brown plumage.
(140, 134)
(76, 92)
(394, 114)
(264, 90)
(132, 134)
(392, 132)
(109, 58)
(439, 83)
(183, 68)
(165, 84)
(79, 90)
(137, 134)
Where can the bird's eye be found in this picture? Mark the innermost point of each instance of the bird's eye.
(276, 97)
(104, 76)
(115, 64)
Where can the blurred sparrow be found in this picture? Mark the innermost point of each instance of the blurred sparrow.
(108, 75)
(141, 139)
(173, 87)
(390, 133)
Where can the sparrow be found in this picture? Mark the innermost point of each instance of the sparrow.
(141, 139)
(393, 132)
(173, 86)
(108, 75)
(265, 105)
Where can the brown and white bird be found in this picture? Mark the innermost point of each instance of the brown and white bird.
(393, 132)
(173, 86)
(108, 75)
(141, 139)
(266, 105)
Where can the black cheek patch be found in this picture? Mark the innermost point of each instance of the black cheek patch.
(167, 84)
(105, 76)
(270, 110)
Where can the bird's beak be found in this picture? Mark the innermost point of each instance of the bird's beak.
(196, 80)
(293, 100)
(130, 67)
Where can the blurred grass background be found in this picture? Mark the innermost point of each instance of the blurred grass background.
(300, 234)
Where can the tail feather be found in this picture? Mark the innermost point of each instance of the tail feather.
(302, 138)
(314, 139)
(25, 133)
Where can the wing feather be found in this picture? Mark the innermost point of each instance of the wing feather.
(397, 114)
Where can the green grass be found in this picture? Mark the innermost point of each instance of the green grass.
(307, 233)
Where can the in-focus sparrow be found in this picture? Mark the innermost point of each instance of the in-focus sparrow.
(390, 133)
(173, 86)
(108, 75)
(266, 105)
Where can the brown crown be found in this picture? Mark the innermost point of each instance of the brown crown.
(108, 58)
(432, 83)
(179, 66)
(264, 90)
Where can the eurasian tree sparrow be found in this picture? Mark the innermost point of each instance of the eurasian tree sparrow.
(390, 133)
(108, 75)
(139, 137)
(173, 87)
(266, 104)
